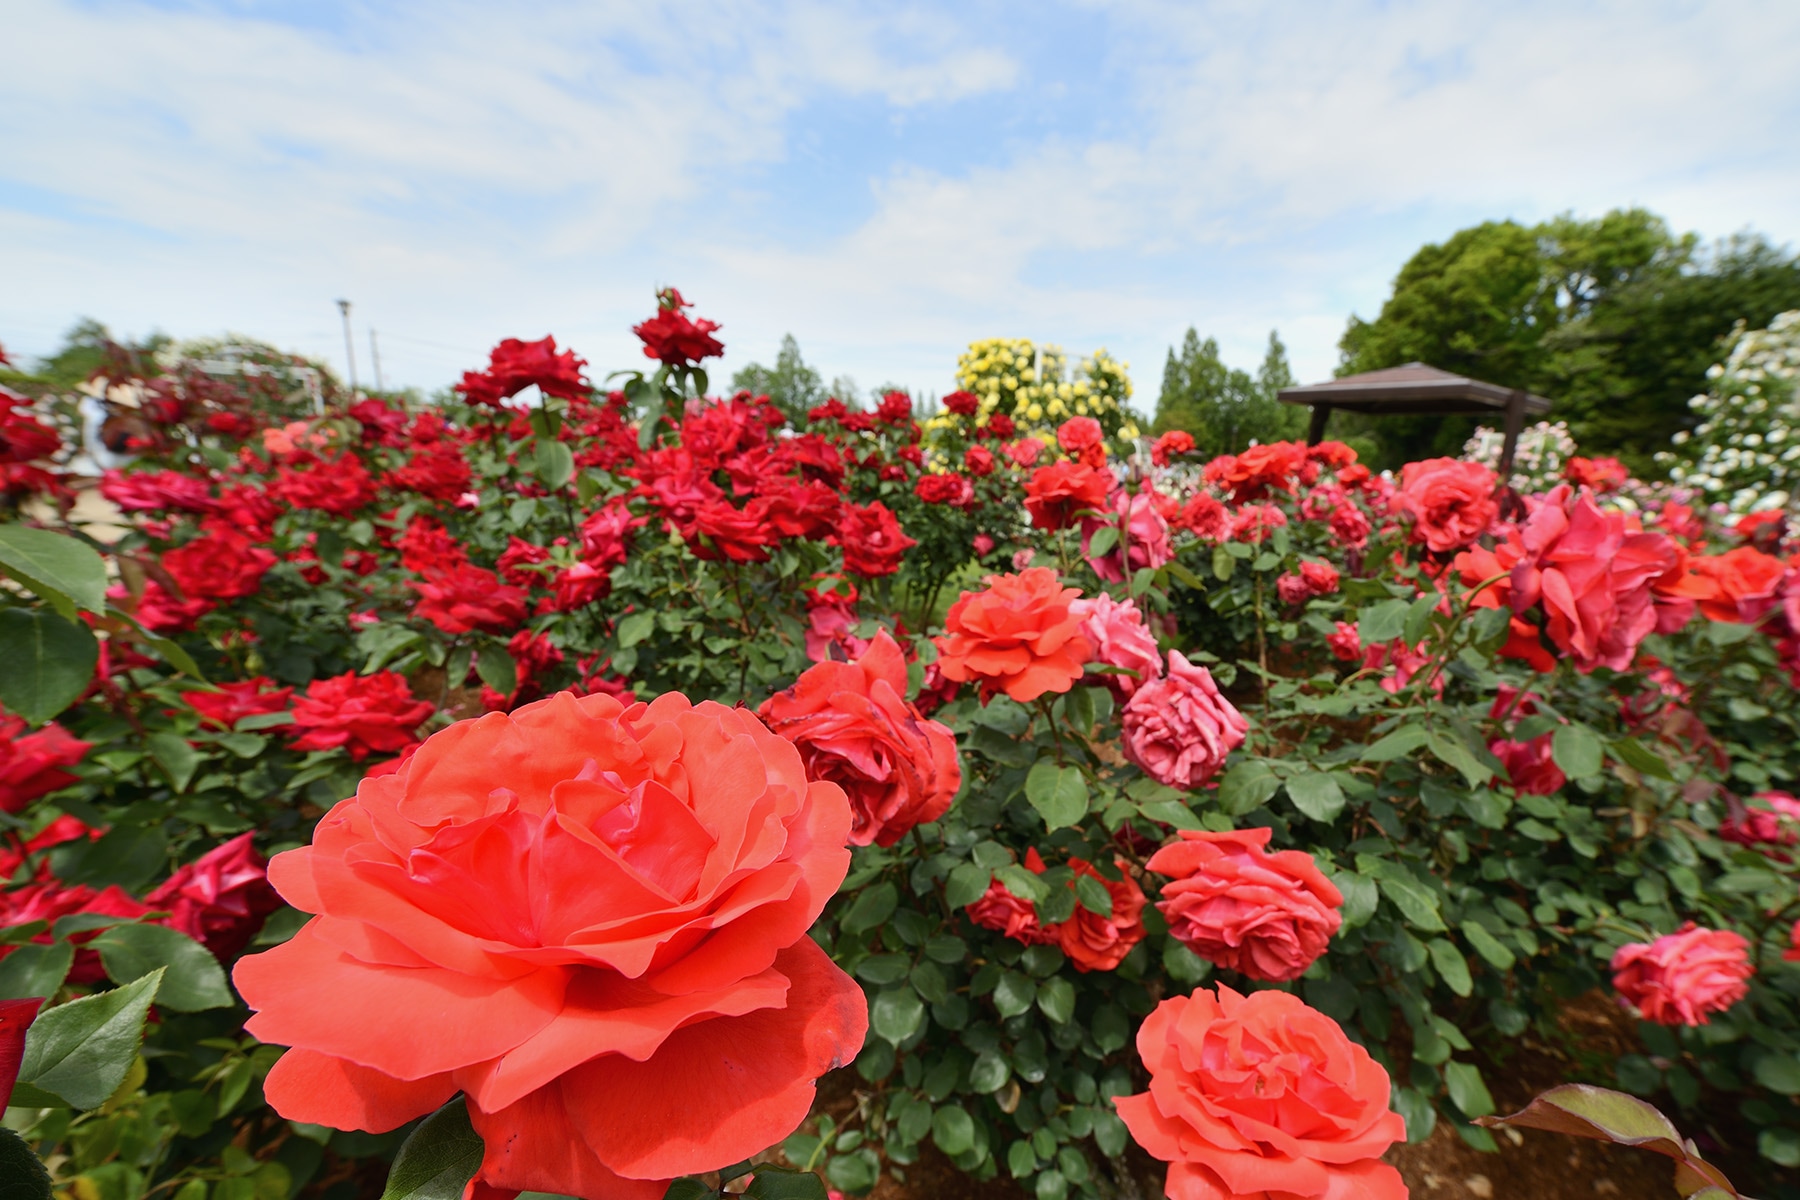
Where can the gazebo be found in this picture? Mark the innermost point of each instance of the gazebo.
(1418, 390)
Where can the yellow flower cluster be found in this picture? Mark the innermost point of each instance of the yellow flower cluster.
(1033, 385)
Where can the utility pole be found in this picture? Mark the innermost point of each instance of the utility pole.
(349, 346)
(375, 353)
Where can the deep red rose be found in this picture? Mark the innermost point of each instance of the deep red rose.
(31, 764)
(978, 461)
(675, 339)
(1003, 911)
(721, 530)
(438, 473)
(516, 562)
(382, 424)
(1770, 819)
(962, 403)
(854, 727)
(22, 436)
(1529, 765)
(16, 1017)
(425, 547)
(589, 919)
(221, 564)
(153, 491)
(249, 509)
(363, 714)
(459, 599)
(895, 408)
(157, 610)
(220, 899)
(49, 900)
(338, 485)
(872, 540)
(802, 510)
(233, 702)
(65, 828)
(514, 365)
(951, 490)
(1055, 495)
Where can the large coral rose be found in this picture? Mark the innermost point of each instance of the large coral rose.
(1019, 635)
(854, 727)
(1261, 1096)
(1451, 503)
(591, 920)
(1683, 977)
(1235, 904)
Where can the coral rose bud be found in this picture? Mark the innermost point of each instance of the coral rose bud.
(1179, 729)
(589, 919)
(1233, 903)
(1682, 977)
(1261, 1096)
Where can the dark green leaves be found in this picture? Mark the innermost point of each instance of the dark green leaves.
(497, 669)
(1246, 786)
(438, 1159)
(193, 979)
(64, 571)
(873, 907)
(79, 1051)
(1382, 622)
(22, 1175)
(49, 662)
(555, 464)
(895, 1014)
(1316, 794)
(1059, 794)
(1577, 751)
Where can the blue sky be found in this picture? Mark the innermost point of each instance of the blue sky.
(886, 182)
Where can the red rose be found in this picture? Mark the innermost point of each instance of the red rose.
(459, 599)
(1683, 977)
(1451, 503)
(1268, 916)
(248, 509)
(220, 899)
(589, 919)
(1100, 941)
(872, 540)
(978, 461)
(1350, 526)
(1770, 819)
(1078, 434)
(149, 491)
(951, 490)
(158, 611)
(895, 408)
(1056, 495)
(1741, 585)
(675, 339)
(1019, 635)
(438, 473)
(1179, 729)
(233, 702)
(721, 530)
(514, 366)
(1205, 517)
(22, 436)
(802, 510)
(65, 828)
(49, 900)
(31, 764)
(221, 564)
(1260, 1095)
(1529, 765)
(516, 562)
(1171, 445)
(1003, 911)
(1257, 471)
(425, 547)
(1601, 474)
(855, 728)
(363, 714)
(338, 485)
(16, 1017)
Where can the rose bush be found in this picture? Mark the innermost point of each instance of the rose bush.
(1109, 725)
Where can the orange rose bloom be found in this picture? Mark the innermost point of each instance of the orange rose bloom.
(588, 918)
(854, 727)
(1095, 942)
(1740, 584)
(1019, 636)
(1261, 1096)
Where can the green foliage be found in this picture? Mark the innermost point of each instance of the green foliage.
(790, 384)
(1226, 409)
(438, 1159)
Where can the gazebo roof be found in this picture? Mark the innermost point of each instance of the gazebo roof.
(1412, 388)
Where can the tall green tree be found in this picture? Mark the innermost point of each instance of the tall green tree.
(1224, 408)
(790, 384)
(1614, 318)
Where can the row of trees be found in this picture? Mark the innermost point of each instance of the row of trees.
(1617, 319)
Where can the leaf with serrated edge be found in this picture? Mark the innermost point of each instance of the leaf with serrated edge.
(438, 1159)
(81, 1050)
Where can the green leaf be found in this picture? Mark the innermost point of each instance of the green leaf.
(687, 1189)
(1246, 786)
(871, 909)
(1093, 896)
(1170, 812)
(22, 1174)
(953, 1130)
(1398, 744)
(895, 1014)
(1418, 619)
(1577, 750)
(34, 970)
(1488, 946)
(1059, 794)
(780, 1183)
(968, 883)
(194, 980)
(1779, 1073)
(80, 1051)
(1416, 902)
(1641, 758)
(1015, 992)
(66, 572)
(1360, 897)
(1023, 883)
(1222, 564)
(497, 669)
(1104, 539)
(635, 627)
(1467, 1091)
(438, 1158)
(49, 662)
(1382, 622)
(555, 464)
(1056, 998)
(1452, 752)
(1451, 966)
(172, 753)
(1316, 794)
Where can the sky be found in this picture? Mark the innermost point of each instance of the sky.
(886, 182)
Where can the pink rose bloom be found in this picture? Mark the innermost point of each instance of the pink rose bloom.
(1145, 537)
(1078, 434)
(1681, 977)
(1451, 502)
(1233, 903)
(1116, 630)
(1345, 642)
(1179, 729)
(1313, 579)
(1529, 766)
(1770, 819)
(1405, 662)
(1350, 526)
(1254, 522)
(1024, 452)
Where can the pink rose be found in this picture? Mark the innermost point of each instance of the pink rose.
(1345, 642)
(1235, 904)
(1179, 729)
(1683, 976)
(1144, 537)
(1313, 579)
(1116, 629)
(1770, 819)
(1451, 503)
